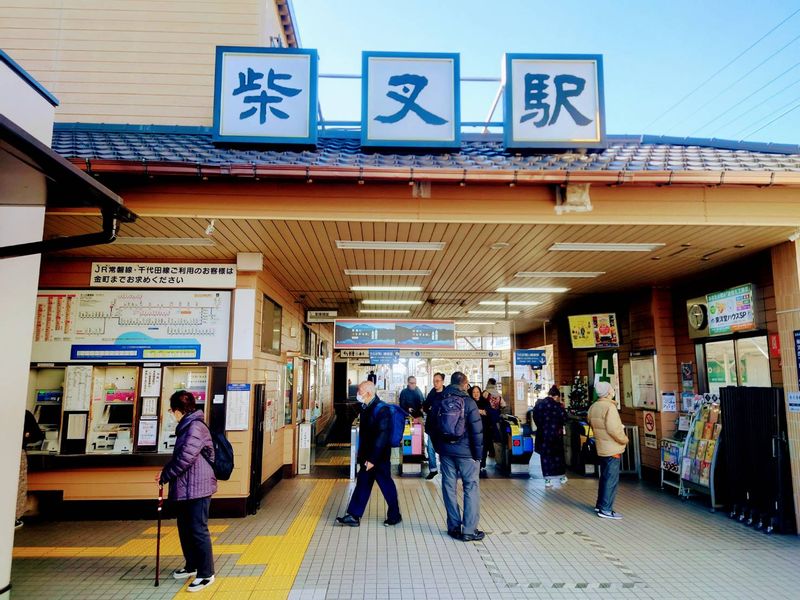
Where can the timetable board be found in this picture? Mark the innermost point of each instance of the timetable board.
(131, 326)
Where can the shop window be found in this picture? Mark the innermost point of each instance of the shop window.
(271, 326)
(720, 365)
(752, 358)
(742, 362)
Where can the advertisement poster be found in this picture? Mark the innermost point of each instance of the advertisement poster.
(731, 310)
(131, 326)
(379, 333)
(594, 331)
(687, 377)
(670, 456)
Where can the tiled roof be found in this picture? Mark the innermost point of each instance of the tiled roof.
(193, 146)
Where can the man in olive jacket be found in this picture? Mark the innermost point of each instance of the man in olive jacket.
(610, 439)
(459, 458)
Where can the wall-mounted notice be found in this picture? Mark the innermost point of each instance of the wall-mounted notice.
(147, 432)
(669, 402)
(379, 333)
(650, 438)
(150, 407)
(151, 382)
(237, 409)
(196, 276)
(78, 387)
(76, 426)
(131, 326)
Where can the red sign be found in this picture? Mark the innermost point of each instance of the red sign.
(774, 345)
(649, 422)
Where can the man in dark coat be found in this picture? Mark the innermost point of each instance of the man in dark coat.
(436, 392)
(374, 459)
(411, 398)
(459, 458)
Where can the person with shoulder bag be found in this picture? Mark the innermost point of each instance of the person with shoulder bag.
(192, 482)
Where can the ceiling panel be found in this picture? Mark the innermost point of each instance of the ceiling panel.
(303, 256)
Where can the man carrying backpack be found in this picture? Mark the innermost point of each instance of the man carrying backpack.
(455, 425)
(374, 458)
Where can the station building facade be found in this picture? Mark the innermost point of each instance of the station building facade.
(690, 219)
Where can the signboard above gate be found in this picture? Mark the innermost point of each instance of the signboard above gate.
(553, 101)
(408, 99)
(265, 95)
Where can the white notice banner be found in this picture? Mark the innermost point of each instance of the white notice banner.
(163, 275)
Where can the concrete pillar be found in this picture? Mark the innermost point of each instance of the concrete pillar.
(786, 276)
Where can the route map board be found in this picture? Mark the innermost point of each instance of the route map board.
(131, 326)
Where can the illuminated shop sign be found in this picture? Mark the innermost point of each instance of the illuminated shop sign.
(731, 310)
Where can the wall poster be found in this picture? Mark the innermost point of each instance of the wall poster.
(594, 331)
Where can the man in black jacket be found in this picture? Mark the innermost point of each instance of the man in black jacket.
(459, 458)
(374, 458)
(436, 392)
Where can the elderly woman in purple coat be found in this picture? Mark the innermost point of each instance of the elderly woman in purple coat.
(191, 484)
(550, 417)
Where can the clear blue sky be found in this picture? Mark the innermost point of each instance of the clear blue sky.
(654, 53)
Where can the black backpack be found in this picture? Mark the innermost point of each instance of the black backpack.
(223, 455)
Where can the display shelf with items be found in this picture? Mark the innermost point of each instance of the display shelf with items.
(699, 457)
(112, 412)
(194, 379)
(45, 401)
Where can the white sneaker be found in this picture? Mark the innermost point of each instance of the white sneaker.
(182, 573)
(612, 515)
(548, 483)
(200, 584)
(563, 479)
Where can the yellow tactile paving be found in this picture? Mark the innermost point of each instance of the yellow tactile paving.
(281, 566)
(282, 555)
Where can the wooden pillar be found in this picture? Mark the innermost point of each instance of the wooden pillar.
(786, 276)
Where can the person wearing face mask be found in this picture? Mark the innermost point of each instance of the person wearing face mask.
(191, 483)
(374, 459)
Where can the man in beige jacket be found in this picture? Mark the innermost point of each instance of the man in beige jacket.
(610, 439)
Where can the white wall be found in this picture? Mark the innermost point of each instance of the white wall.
(25, 106)
(22, 199)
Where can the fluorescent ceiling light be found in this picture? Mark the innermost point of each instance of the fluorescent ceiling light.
(509, 303)
(367, 245)
(385, 311)
(532, 290)
(562, 274)
(493, 312)
(407, 302)
(475, 323)
(603, 247)
(385, 288)
(162, 241)
(388, 272)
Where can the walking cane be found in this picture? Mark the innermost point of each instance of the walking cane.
(158, 530)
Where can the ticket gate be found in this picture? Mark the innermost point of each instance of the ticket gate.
(513, 453)
(354, 449)
(413, 454)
